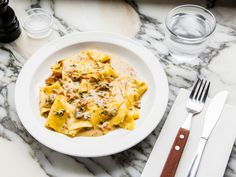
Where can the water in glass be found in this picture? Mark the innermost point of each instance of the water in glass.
(187, 34)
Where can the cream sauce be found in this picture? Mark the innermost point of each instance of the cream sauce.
(122, 66)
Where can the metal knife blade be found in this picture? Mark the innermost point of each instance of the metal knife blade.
(213, 113)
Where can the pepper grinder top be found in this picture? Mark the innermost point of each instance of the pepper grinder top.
(9, 24)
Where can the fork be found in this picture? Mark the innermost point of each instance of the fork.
(195, 104)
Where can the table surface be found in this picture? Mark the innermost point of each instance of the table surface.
(22, 155)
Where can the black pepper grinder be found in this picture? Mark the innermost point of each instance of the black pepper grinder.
(9, 25)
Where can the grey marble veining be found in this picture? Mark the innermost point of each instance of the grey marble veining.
(150, 34)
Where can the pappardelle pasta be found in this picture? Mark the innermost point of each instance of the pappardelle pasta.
(86, 96)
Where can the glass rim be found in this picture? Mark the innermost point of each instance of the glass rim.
(40, 9)
(197, 7)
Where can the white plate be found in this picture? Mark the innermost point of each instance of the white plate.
(37, 69)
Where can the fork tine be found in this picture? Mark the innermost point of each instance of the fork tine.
(194, 88)
(199, 88)
(206, 92)
(202, 91)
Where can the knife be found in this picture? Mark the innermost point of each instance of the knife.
(212, 116)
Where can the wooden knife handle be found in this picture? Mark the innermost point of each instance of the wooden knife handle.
(175, 153)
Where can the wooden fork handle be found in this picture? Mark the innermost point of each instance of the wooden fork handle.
(175, 153)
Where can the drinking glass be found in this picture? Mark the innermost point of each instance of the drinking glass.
(188, 29)
(38, 23)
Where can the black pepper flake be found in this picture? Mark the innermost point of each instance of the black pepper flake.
(60, 112)
(81, 94)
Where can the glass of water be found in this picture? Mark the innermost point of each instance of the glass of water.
(188, 28)
(38, 23)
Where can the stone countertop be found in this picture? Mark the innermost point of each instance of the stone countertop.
(22, 155)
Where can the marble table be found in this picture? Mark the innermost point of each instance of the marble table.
(22, 155)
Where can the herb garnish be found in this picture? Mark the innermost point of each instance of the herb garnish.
(80, 108)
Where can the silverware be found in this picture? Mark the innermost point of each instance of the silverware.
(212, 115)
(195, 104)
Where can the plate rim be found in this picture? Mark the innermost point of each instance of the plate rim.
(74, 39)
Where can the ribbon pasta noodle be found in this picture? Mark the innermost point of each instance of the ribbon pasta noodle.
(86, 96)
